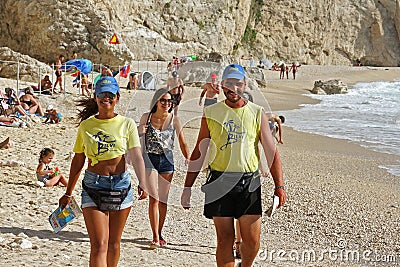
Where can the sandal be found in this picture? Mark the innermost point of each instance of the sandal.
(236, 248)
(163, 243)
(154, 244)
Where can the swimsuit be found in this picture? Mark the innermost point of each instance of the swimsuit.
(176, 99)
(29, 103)
(44, 178)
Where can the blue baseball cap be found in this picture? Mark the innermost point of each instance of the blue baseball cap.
(106, 84)
(234, 71)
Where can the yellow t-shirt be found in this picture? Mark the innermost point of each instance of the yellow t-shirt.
(106, 139)
(234, 135)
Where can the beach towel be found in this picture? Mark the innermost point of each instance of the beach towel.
(124, 71)
(7, 124)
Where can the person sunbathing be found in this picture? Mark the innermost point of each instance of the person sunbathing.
(10, 103)
(45, 83)
(30, 104)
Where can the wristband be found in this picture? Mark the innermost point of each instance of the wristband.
(68, 196)
(280, 186)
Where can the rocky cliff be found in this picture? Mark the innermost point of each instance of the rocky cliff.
(311, 32)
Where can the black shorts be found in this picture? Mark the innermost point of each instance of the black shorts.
(58, 73)
(210, 101)
(232, 194)
(176, 99)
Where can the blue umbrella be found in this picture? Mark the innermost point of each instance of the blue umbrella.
(83, 65)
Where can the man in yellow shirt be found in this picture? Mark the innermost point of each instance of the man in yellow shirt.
(233, 190)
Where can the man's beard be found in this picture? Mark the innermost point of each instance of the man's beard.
(233, 100)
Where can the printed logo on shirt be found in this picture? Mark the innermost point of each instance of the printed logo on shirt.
(105, 142)
(234, 135)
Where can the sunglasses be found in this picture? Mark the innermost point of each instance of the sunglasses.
(232, 85)
(165, 101)
(106, 94)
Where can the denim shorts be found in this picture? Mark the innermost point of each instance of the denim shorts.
(162, 163)
(112, 182)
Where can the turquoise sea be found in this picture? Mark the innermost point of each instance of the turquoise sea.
(369, 114)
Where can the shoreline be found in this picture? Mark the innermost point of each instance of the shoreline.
(336, 191)
(366, 74)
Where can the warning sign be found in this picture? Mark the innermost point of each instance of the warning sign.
(114, 39)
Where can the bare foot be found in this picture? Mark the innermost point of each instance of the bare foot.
(5, 144)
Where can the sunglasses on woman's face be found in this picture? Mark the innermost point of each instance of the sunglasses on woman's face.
(106, 94)
(164, 101)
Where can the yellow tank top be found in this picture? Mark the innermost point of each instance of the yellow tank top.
(234, 137)
(106, 139)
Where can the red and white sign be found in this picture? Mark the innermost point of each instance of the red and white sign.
(114, 39)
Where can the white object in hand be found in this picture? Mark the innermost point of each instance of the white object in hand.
(275, 203)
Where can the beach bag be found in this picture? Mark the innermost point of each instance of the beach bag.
(107, 200)
(218, 184)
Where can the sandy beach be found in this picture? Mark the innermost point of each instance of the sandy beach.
(340, 203)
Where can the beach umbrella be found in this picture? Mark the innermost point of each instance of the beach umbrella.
(96, 79)
(79, 64)
(266, 63)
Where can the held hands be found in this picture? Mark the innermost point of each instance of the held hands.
(64, 200)
(185, 198)
(142, 194)
(280, 192)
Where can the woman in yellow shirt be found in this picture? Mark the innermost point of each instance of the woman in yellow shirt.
(110, 142)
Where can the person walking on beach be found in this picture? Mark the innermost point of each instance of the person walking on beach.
(158, 128)
(251, 62)
(211, 90)
(293, 68)
(176, 89)
(282, 69)
(59, 73)
(110, 142)
(235, 127)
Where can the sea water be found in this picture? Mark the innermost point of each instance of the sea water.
(369, 114)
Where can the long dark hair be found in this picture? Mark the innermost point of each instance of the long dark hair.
(90, 108)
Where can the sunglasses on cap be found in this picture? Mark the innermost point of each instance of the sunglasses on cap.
(106, 94)
(164, 101)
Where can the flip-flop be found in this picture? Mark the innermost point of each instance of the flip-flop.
(5, 143)
(163, 243)
(154, 244)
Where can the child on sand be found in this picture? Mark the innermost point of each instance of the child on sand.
(45, 175)
(52, 116)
